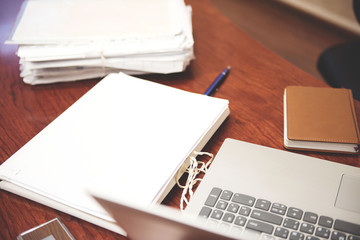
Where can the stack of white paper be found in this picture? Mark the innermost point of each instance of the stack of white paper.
(62, 40)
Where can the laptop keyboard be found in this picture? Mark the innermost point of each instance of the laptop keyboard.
(240, 212)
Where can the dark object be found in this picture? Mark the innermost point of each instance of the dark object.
(340, 65)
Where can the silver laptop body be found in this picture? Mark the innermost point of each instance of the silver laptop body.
(280, 194)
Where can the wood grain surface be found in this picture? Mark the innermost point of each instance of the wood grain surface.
(254, 88)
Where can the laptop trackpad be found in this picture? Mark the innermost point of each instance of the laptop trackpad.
(349, 193)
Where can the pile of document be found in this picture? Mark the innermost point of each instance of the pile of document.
(81, 39)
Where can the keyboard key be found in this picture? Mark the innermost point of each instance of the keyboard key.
(205, 212)
(278, 208)
(351, 237)
(213, 197)
(240, 221)
(245, 211)
(243, 199)
(228, 217)
(347, 227)
(296, 236)
(260, 226)
(338, 236)
(217, 214)
(237, 230)
(311, 238)
(307, 228)
(291, 223)
(224, 226)
(263, 204)
(221, 205)
(251, 234)
(266, 217)
(310, 217)
(212, 223)
(294, 213)
(226, 195)
(325, 221)
(233, 208)
(322, 232)
(281, 232)
(267, 237)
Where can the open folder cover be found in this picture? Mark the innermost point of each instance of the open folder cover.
(320, 119)
(126, 136)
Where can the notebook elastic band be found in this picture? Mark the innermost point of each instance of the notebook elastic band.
(195, 167)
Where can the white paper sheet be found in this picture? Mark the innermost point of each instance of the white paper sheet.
(55, 21)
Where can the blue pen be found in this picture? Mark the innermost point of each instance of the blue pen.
(218, 81)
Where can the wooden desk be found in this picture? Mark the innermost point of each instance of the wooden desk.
(254, 87)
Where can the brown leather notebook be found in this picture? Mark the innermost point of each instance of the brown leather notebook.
(320, 119)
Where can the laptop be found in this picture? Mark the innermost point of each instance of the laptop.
(252, 191)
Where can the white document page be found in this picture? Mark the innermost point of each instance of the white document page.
(55, 21)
